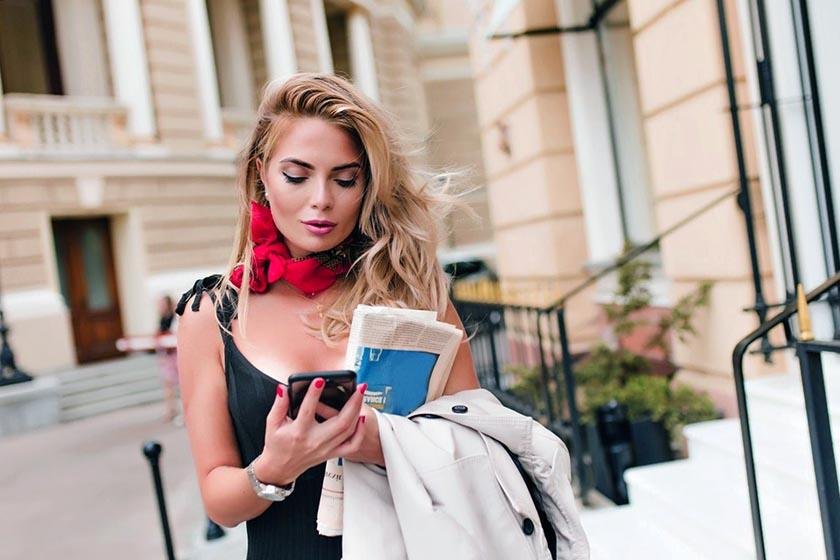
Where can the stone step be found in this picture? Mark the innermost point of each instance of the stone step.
(783, 454)
(778, 401)
(111, 404)
(110, 391)
(707, 507)
(116, 378)
(108, 367)
(783, 464)
(106, 386)
(622, 532)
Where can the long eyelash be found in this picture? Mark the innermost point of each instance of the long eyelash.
(346, 184)
(295, 180)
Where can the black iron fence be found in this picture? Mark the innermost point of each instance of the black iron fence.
(523, 354)
(810, 354)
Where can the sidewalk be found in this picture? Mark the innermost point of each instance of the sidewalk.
(83, 491)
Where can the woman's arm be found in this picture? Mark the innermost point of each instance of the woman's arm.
(225, 490)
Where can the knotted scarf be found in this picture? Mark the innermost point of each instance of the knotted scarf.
(272, 261)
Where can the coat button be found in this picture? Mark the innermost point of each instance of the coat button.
(528, 526)
(459, 409)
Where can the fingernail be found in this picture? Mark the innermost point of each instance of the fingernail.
(319, 383)
(362, 388)
(280, 391)
(362, 419)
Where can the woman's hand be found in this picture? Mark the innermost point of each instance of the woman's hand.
(370, 449)
(293, 446)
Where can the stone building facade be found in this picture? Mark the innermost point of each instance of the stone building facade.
(118, 138)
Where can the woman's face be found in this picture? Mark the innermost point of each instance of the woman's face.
(314, 185)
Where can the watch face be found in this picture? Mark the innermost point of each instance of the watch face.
(272, 492)
(267, 491)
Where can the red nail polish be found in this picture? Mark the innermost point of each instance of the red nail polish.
(362, 388)
(280, 391)
(319, 383)
(362, 419)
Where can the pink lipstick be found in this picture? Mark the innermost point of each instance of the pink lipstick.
(319, 227)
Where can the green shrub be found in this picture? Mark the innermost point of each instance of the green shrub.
(618, 374)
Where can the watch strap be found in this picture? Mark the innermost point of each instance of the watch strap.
(267, 491)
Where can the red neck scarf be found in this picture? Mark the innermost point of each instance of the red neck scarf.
(272, 261)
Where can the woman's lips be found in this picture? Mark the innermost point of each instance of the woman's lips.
(319, 227)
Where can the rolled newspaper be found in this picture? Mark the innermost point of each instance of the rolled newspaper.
(405, 356)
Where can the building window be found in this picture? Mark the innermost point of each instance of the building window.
(609, 140)
(628, 139)
(338, 32)
(28, 51)
(55, 48)
(608, 134)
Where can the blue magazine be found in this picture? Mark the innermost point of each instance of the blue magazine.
(398, 380)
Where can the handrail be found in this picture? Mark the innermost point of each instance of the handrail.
(786, 313)
(741, 395)
(636, 251)
(558, 307)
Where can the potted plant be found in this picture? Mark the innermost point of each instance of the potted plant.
(639, 378)
(632, 375)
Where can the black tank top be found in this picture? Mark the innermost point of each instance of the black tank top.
(287, 529)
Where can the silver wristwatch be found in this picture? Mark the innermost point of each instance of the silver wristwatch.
(267, 491)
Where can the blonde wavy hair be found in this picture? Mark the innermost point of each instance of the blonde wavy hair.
(401, 212)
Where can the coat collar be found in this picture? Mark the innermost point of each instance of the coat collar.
(480, 410)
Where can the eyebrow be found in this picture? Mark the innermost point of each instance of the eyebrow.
(310, 166)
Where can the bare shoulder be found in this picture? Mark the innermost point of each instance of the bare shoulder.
(198, 325)
(462, 376)
(451, 315)
(199, 339)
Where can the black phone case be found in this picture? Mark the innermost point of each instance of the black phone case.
(339, 387)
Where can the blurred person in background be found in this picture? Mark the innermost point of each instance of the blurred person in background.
(168, 359)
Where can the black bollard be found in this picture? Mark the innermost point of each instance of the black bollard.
(614, 431)
(152, 451)
(214, 531)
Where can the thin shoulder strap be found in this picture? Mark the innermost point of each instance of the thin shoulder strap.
(226, 312)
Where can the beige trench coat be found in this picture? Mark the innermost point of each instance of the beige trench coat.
(451, 490)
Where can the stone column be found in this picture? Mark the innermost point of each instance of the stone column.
(362, 63)
(205, 66)
(278, 41)
(129, 67)
(322, 36)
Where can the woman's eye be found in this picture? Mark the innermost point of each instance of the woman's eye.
(292, 179)
(346, 183)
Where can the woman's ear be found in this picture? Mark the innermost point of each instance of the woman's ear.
(260, 170)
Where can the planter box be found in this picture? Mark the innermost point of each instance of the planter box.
(649, 444)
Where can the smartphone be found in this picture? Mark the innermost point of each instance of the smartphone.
(338, 388)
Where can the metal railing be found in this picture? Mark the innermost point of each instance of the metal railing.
(816, 407)
(537, 337)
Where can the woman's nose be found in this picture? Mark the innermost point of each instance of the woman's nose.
(322, 197)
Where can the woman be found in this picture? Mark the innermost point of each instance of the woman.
(331, 215)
